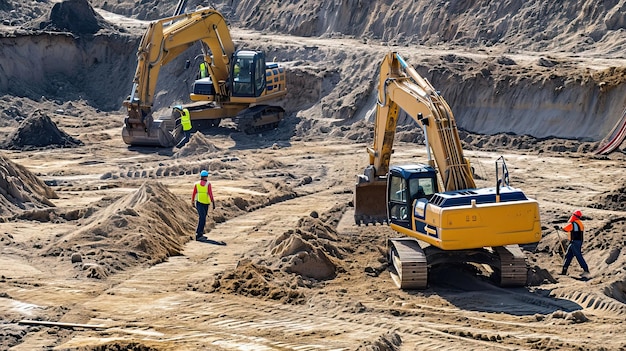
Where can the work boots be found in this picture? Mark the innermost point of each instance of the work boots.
(585, 275)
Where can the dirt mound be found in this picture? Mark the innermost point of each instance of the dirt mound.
(256, 279)
(296, 260)
(390, 341)
(617, 290)
(75, 16)
(39, 131)
(199, 144)
(310, 250)
(119, 345)
(20, 189)
(142, 228)
(614, 200)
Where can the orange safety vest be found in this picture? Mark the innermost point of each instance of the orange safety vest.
(202, 193)
(575, 230)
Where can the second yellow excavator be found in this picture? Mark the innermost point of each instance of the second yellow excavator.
(437, 205)
(233, 84)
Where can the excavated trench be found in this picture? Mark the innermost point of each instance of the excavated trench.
(487, 97)
(330, 85)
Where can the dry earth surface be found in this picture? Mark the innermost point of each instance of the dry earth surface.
(96, 236)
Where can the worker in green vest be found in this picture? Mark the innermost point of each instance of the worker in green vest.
(204, 70)
(185, 124)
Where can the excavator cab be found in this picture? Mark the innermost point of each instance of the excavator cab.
(248, 74)
(405, 185)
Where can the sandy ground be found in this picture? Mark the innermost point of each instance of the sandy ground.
(248, 293)
(283, 267)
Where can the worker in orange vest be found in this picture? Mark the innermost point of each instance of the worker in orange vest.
(575, 230)
(201, 198)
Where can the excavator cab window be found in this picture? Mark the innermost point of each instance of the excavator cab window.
(404, 186)
(398, 193)
(421, 188)
(248, 78)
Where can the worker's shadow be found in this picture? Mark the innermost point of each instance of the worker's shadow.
(211, 241)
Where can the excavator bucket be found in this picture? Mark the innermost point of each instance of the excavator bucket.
(157, 134)
(370, 202)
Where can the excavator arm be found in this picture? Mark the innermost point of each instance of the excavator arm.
(400, 87)
(165, 40)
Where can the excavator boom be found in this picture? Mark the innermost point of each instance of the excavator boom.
(401, 87)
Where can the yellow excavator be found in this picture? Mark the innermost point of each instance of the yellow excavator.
(232, 84)
(437, 206)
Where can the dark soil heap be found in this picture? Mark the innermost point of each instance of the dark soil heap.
(75, 16)
(38, 131)
(613, 200)
(20, 189)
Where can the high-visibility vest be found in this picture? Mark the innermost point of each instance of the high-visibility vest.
(578, 230)
(185, 120)
(202, 193)
(204, 72)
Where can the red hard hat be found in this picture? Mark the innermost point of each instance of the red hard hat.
(578, 214)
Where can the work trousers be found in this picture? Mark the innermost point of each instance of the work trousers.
(185, 139)
(203, 210)
(574, 249)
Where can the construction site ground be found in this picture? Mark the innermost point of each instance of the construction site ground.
(255, 304)
(97, 237)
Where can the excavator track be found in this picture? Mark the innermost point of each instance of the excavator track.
(259, 118)
(408, 262)
(409, 269)
(513, 269)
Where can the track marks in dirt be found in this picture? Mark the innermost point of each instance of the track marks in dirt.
(590, 301)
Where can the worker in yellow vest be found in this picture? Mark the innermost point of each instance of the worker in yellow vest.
(204, 70)
(185, 124)
(201, 198)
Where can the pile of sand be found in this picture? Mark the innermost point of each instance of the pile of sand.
(311, 250)
(21, 190)
(257, 279)
(199, 144)
(38, 131)
(510, 141)
(613, 200)
(142, 228)
(293, 262)
(390, 341)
